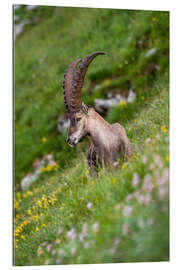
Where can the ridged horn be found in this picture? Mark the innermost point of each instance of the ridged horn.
(67, 83)
(73, 82)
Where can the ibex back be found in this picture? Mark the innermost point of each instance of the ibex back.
(108, 142)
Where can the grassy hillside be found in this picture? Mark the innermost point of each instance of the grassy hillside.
(68, 216)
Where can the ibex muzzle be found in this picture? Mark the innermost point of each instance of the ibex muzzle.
(108, 142)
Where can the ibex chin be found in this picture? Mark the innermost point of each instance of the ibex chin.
(108, 142)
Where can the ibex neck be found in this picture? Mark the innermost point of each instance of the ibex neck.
(99, 130)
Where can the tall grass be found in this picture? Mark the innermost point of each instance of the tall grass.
(68, 216)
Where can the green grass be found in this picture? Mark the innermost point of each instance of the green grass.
(60, 198)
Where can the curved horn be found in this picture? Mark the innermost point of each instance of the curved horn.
(73, 82)
(76, 101)
(67, 83)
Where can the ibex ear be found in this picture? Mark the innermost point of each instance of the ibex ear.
(84, 108)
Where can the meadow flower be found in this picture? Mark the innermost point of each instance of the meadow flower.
(158, 161)
(147, 198)
(142, 97)
(122, 103)
(157, 174)
(167, 158)
(148, 141)
(117, 207)
(153, 19)
(141, 223)
(83, 235)
(164, 129)
(73, 251)
(49, 247)
(43, 225)
(129, 197)
(125, 228)
(44, 139)
(39, 203)
(53, 252)
(89, 205)
(35, 218)
(58, 241)
(163, 192)
(112, 250)
(25, 222)
(114, 180)
(29, 212)
(86, 245)
(152, 166)
(147, 184)
(144, 159)
(37, 229)
(139, 196)
(123, 166)
(135, 180)
(158, 136)
(150, 222)
(95, 227)
(61, 252)
(47, 262)
(71, 234)
(117, 241)
(127, 210)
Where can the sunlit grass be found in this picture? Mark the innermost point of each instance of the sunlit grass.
(68, 215)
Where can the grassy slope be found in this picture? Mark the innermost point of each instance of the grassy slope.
(59, 198)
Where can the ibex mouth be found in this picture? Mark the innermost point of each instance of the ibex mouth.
(71, 144)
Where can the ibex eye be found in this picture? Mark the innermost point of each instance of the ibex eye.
(78, 119)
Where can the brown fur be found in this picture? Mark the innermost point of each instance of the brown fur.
(108, 142)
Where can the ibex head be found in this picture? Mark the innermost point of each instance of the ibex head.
(77, 110)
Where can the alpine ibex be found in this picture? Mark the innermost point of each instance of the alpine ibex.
(108, 142)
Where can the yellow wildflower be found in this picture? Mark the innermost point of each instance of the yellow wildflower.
(142, 97)
(37, 229)
(92, 182)
(29, 193)
(25, 222)
(39, 203)
(29, 212)
(107, 82)
(114, 180)
(43, 225)
(153, 19)
(135, 121)
(22, 237)
(59, 189)
(167, 158)
(17, 216)
(35, 218)
(123, 166)
(164, 129)
(122, 103)
(44, 139)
